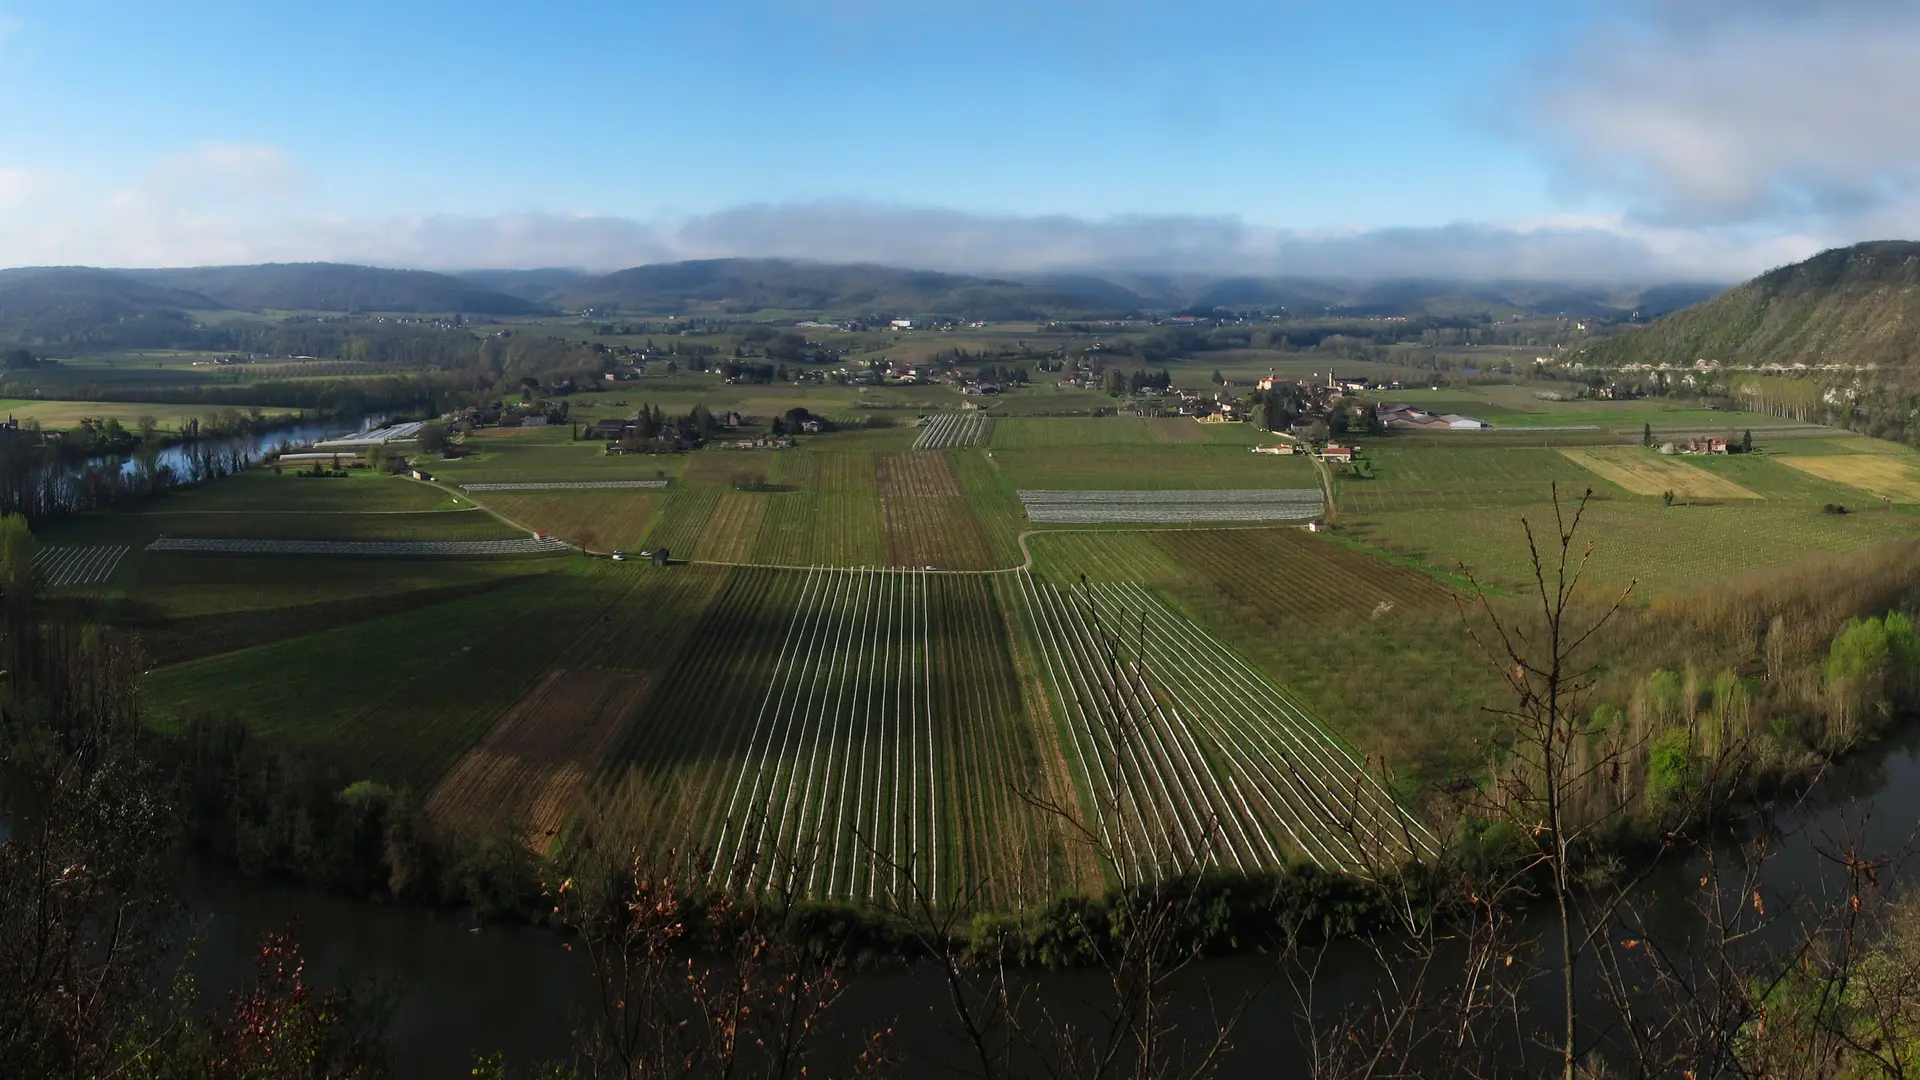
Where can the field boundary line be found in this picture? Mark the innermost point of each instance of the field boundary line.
(318, 513)
(521, 525)
(1327, 743)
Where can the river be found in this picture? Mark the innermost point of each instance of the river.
(252, 447)
(455, 990)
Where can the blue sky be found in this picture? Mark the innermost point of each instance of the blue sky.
(1611, 138)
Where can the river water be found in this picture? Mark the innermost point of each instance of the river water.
(455, 990)
(251, 447)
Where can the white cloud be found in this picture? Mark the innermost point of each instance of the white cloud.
(134, 228)
(225, 169)
(1781, 111)
(18, 186)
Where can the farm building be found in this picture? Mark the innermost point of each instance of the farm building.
(1406, 417)
(1281, 448)
(1340, 454)
(533, 421)
(397, 433)
(608, 429)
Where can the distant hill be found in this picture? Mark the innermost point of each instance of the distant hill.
(1854, 305)
(746, 286)
(1098, 291)
(339, 287)
(82, 304)
(36, 291)
(543, 286)
(1411, 297)
(749, 286)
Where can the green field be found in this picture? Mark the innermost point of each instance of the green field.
(1202, 466)
(1662, 547)
(170, 418)
(851, 673)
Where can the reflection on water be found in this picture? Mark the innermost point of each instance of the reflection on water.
(180, 456)
(456, 991)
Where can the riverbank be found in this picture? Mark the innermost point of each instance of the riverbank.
(458, 988)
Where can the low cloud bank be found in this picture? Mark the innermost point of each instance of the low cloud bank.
(1597, 248)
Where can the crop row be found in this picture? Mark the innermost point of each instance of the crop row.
(835, 792)
(88, 565)
(566, 485)
(1170, 513)
(1170, 507)
(1230, 495)
(1189, 757)
(442, 548)
(928, 520)
(949, 431)
(1299, 576)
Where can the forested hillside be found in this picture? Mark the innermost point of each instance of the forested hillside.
(745, 286)
(1852, 306)
(339, 287)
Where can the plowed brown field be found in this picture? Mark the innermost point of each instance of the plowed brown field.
(537, 759)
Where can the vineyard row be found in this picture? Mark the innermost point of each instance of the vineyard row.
(950, 431)
(86, 565)
(413, 548)
(1191, 759)
(835, 794)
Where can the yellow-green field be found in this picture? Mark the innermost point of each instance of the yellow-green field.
(66, 414)
(1645, 472)
(1884, 475)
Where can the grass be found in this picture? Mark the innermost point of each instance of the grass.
(993, 501)
(403, 667)
(680, 525)
(1401, 684)
(1518, 405)
(360, 491)
(173, 418)
(141, 526)
(1014, 433)
(733, 527)
(182, 587)
(1152, 467)
(928, 520)
(783, 667)
(1880, 475)
(529, 454)
(1411, 478)
(1772, 478)
(814, 528)
(426, 684)
(1663, 547)
(599, 520)
(1646, 472)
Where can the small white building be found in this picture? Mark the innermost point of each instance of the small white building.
(902, 324)
(1463, 423)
